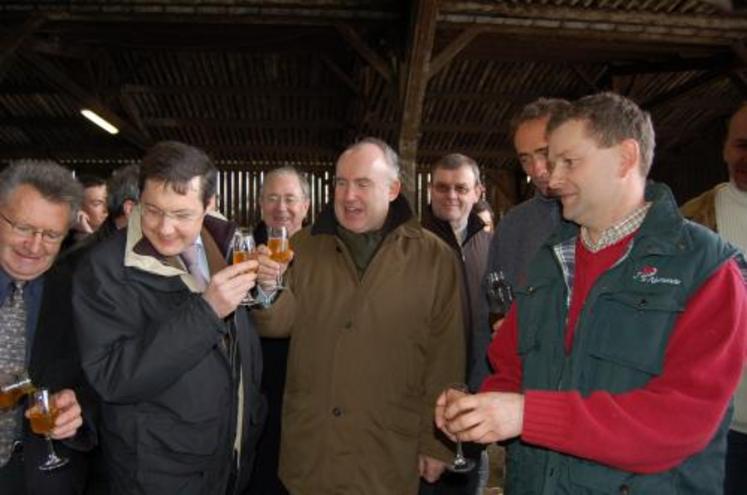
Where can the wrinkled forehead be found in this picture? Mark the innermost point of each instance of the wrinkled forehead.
(363, 162)
(283, 184)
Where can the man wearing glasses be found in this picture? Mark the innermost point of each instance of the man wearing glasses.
(455, 188)
(38, 202)
(176, 366)
(284, 202)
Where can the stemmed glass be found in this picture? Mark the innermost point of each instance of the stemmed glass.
(280, 252)
(460, 464)
(243, 249)
(42, 416)
(500, 295)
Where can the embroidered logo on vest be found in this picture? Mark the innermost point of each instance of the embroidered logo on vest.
(647, 275)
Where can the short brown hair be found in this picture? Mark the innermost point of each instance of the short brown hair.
(175, 164)
(610, 119)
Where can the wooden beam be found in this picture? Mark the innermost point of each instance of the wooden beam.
(716, 62)
(366, 52)
(86, 99)
(415, 82)
(584, 78)
(340, 74)
(453, 49)
(682, 89)
(260, 91)
(15, 40)
(134, 114)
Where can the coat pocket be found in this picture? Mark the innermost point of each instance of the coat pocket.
(631, 332)
(172, 446)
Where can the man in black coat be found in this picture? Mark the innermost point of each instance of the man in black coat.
(37, 205)
(164, 342)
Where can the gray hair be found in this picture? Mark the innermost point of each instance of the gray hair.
(53, 181)
(122, 186)
(539, 108)
(390, 156)
(454, 161)
(610, 119)
(303, 181)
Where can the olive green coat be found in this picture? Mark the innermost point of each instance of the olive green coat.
(367, 360)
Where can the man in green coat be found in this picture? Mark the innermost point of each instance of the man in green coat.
(617, 364)
(373, 311)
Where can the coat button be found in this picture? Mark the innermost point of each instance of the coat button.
(336, 412)
(348, 325)
(624, 490)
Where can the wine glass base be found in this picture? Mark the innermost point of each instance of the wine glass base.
(461, 466)
(53, 463)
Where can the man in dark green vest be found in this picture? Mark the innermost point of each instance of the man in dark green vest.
(615, 369)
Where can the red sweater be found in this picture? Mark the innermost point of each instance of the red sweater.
(656, 427)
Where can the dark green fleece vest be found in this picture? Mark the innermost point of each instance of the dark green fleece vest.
(619, 345)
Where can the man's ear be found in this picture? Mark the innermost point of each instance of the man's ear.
(630, 157)
(394, 189)
(211, 203)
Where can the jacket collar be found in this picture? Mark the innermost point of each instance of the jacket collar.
(443, 229)
(400, 214)
(660, 232)
(141, 254)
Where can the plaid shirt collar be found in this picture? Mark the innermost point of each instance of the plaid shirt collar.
(612, 234)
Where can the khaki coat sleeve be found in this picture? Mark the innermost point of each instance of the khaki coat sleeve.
(446, 352)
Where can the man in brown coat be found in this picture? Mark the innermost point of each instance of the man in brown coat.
(373, 308)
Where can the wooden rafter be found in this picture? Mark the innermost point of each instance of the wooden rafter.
(415, 81)
(683, 89)
(366, 52)
(10, 45)
(85, 98)
(453, 49)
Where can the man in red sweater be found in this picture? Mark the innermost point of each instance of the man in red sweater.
(615, 369)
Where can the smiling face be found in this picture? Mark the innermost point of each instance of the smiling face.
(454, 193)
(27, 257)
(735, 149)
(169, 220)
(283, 203)
(364, 187)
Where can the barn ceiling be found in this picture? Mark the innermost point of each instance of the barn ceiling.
(262, 83)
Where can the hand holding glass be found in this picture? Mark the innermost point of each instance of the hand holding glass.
(280, 252)
(42, 415)
(460, 464)
(243, 248)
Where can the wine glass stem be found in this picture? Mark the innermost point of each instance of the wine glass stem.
(459, 453)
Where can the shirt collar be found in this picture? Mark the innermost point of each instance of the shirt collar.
(613, 234)
(30, 289)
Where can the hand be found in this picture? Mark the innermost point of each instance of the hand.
(442, 401)
(269, 270)
(229, 286)
(82, 223)
(496, 326)
(430, 469)
(483, 418)
(69, 415)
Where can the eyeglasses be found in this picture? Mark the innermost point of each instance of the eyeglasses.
(154, 213)
(460, 189)
(289, 200)
(28, 231)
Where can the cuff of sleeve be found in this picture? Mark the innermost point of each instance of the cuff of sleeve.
(266, 298)
(547, 418)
